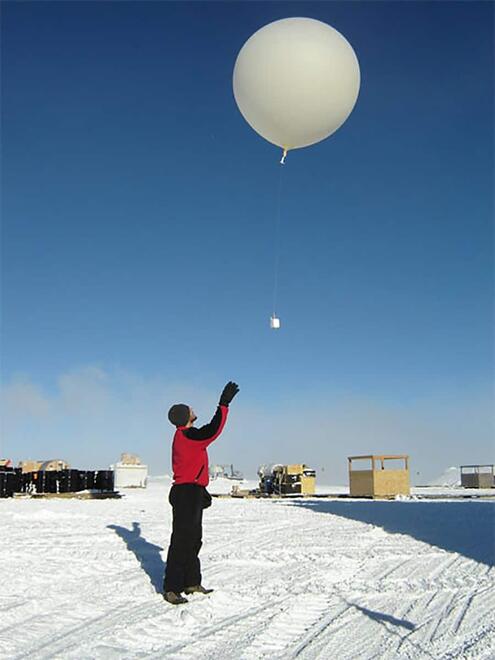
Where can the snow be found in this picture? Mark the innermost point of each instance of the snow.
(317, 578)
(450, 477)
(222, 486)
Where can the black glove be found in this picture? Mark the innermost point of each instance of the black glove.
(229, 392)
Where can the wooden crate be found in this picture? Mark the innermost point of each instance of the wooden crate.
(308, 485)
(379, 481)
(296, 479)
(478, 476)
(294, 469)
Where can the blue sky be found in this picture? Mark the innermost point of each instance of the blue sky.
(138, 227)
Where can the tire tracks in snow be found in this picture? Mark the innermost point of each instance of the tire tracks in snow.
(226, 627)
(86, 631)
(291, 622)
(261, 629)
(473, 606)
(318, 640)
(79, 636)
(311, 598)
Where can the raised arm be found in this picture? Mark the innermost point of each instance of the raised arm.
(211, 431)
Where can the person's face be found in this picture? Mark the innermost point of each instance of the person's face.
(192, 416)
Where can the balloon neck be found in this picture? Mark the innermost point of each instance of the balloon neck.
(284, 156)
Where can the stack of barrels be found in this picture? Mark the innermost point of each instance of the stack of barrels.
(10, 481)
(14, 480)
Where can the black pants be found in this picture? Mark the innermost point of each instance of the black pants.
(183, 567)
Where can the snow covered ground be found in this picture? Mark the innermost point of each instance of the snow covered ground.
(329, 579)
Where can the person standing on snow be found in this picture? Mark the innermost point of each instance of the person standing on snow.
(188, 495)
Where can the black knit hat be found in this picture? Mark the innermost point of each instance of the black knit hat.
(179, 414)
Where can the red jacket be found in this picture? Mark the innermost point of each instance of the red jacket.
(189, 455)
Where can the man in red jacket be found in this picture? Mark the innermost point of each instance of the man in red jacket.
(188, 495)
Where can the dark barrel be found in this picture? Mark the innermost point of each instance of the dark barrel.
(50, 481)
(7, 481)
(70, 481)
(90, 479)
(104, 480)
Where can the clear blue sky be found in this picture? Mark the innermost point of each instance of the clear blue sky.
(138, 217)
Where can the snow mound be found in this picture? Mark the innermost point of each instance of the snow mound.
(450, 477)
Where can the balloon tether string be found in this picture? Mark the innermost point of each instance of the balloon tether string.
(278, 215)
(284, 156)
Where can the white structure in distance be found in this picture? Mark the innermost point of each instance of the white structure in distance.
(129, 472)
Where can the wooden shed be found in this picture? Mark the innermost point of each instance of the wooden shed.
(477, 476)
(380, 478)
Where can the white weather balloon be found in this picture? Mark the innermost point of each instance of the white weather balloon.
(296, 81)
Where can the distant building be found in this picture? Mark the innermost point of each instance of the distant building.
(478, 476)
(130, 472)
(54, 464)
(376, 481)
(225, 472)
(130, 459)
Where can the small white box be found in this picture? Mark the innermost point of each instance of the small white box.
(274, 323)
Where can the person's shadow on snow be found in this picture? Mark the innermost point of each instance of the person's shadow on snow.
(381, 617)
(147, 554)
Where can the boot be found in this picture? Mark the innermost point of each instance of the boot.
(197, 589)
(173, 598)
